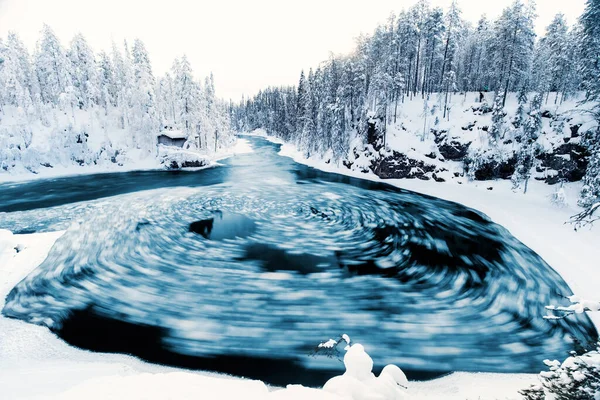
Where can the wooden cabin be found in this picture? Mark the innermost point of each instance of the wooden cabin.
(172, 137)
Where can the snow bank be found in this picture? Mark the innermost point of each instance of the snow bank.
(36, 364)
(136, 163)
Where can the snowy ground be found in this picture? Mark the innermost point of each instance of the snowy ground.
(241, 146)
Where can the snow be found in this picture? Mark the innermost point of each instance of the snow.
(136, 163)
(36, 364)
(174, 134)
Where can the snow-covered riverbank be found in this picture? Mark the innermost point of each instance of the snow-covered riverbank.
(240, 146)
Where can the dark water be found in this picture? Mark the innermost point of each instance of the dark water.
(245, 267)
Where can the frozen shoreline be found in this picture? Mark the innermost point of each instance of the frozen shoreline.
(240, 147)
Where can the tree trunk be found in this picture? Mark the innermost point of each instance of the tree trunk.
(417, 66)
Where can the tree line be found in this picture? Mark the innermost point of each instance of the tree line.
(424, 50)
(119, 85)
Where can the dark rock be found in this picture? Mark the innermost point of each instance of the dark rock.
(438, 136)
(374, 138)
(187, 164)
(398, 165)
(575, 130)
(490, 188)
(47, 165)
(570, 160)
(496, 170)
(437, 178)
(454, 150)
(485, 128)
(431, 155)
(468, 127)
(484, 108)
(547, 114)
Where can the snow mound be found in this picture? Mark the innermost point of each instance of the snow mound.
(359, 383)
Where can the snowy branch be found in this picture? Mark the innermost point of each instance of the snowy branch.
(586, 218)
(578, 306)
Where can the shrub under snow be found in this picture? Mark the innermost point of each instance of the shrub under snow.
(576, 378)
(359, 382)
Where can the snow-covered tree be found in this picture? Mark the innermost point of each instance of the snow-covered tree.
(84, 73)
(530, 132)
(107, 84)
(512, 46)
(52, 67)
(144, 113)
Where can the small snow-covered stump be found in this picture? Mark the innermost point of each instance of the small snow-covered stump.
(359, 382)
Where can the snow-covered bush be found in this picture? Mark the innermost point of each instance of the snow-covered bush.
(559, 197)
(490, 163)
(577, 377)
(174, 158)
(359, 382)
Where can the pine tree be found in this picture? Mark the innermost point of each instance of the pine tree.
(186, 96)
(52, 68)
(84, 73)
(590, 46)
(513, 45)
(107, 84)
(144, 114)
(558, 61)
(16, 83)
(530, 132)
(498, 115)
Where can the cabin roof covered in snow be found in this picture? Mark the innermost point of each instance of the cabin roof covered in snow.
(174, 134)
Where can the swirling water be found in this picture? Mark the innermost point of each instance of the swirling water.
(245, 267)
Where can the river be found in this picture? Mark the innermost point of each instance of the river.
(245, 267)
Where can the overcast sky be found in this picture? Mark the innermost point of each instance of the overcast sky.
(248, 44)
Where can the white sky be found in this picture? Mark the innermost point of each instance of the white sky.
(248, 44)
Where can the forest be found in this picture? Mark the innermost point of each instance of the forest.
(426, 55)
(72, 106)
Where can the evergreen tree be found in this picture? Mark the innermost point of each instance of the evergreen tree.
(513, 45)
(530, 131)
(107, 85)
(144, 114)
(590, 47)
(84, 73)
(52, 68)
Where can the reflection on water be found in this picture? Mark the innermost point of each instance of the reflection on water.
(223, 226)
(245, 272)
